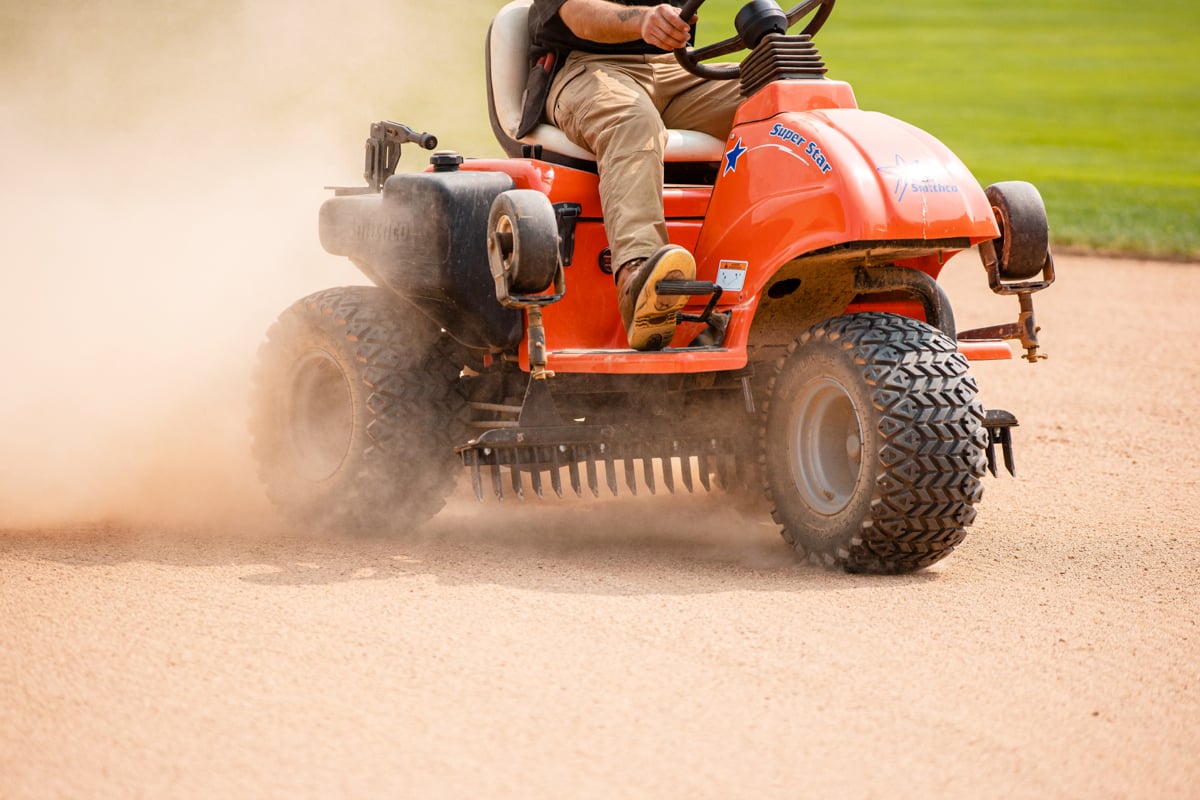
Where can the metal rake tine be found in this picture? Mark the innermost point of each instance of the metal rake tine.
(668, 473)
(726, 470)
(535, 475)
(648, 472)
(573, 472)
(685, 472)
(514, 470)
(555, 474)
(471, 459)
(703, 466)
(1007, 450)
(593, 482)
(497, 482)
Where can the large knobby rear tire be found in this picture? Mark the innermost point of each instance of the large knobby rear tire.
(357, 407)
(873, 444)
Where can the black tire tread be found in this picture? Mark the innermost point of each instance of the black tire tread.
(415, 412)
(931, 459)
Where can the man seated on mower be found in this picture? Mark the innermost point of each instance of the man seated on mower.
(615, 89)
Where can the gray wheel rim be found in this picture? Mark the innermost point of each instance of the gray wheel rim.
(320, 418)
(825, 445)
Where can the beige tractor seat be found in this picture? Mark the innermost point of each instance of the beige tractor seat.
(507, 57)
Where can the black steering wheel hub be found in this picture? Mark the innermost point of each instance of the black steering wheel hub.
(758, 18)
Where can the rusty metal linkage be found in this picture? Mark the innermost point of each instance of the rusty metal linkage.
(1025, 329)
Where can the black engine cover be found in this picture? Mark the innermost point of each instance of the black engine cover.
(424, 236)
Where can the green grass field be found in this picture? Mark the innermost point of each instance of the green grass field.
(1096, 102)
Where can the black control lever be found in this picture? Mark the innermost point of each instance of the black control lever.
(383, 149)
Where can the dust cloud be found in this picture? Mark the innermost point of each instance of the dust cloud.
(162, 169)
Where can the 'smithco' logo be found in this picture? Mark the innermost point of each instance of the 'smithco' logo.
(915, 177)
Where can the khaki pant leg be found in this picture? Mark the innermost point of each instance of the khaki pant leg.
(695, 104)
(601, 104)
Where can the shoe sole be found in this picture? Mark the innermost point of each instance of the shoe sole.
(653, 324)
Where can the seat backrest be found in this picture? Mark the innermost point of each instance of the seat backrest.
(507, 55)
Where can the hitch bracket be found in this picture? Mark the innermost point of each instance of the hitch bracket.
(1025, 329)
(999, 424)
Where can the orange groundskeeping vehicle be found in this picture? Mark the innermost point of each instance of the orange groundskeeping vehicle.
(816, 371)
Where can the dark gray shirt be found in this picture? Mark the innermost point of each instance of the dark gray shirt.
(548, 33)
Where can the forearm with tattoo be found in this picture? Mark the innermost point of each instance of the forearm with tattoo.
(607, 22)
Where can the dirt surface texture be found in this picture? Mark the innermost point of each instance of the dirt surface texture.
(661, 647)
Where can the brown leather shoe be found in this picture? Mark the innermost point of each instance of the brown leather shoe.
(648, 318)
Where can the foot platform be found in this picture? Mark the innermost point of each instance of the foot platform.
(693, 289)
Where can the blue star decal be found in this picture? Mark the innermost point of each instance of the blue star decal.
(906, 173)
(731, 157)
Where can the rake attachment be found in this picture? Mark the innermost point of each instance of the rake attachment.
(593, 456)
